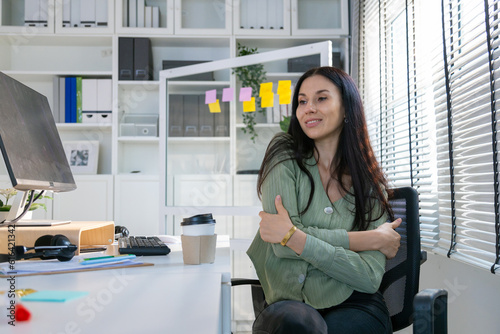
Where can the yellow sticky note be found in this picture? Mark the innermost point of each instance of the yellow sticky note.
(267, 100)
(284, 86)
(266, 87)
(286, 98)
(214, 107)
(249, 106)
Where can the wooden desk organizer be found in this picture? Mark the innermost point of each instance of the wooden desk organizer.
(79, 233)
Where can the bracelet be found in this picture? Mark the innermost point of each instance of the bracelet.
(288, 236)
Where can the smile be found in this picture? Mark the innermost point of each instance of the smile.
(313, 122)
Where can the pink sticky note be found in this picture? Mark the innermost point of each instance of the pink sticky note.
(210, 96)
(227, 94)
(245, 94)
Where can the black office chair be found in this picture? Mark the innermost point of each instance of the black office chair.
(426, 310)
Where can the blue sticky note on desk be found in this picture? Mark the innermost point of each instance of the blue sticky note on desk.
(57, 296)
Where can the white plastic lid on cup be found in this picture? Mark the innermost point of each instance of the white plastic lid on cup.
(203, 224)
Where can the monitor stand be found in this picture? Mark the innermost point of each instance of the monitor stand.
(18, 207)
(41, 222)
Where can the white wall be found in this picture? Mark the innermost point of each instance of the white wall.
(473, 294)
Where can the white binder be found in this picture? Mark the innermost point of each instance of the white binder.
(89, 95)
(140, 13)
(101, 13)
(132, 13)
(156, 17)
(43, 12)
(104, 95)
(31, 12)
(148, 17)
(75, 13)
(66, 6)
(87, 13)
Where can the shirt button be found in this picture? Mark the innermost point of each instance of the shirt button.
(302, 278)
(328, 210)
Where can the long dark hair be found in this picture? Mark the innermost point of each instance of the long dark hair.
(354, 156)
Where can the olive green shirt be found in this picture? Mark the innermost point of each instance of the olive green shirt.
(327, 272)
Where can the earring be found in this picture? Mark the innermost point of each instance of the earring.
(345, 120)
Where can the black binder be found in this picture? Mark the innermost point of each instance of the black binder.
(205, 118)
(302, 64)
(176, 116)
(191, 117)
(143, 60)
(125, 58)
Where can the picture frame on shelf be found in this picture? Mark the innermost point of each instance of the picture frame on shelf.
(82, 156)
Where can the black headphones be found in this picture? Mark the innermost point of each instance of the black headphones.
(46, 247)
(121, 231)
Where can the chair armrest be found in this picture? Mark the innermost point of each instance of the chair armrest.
(258, 298)
(244, 281)
(423, 257)
(430, 312)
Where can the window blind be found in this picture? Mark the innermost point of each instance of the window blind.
(395, 90)
(432, 114)
(466, 131)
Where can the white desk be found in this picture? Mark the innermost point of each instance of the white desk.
(169, 297)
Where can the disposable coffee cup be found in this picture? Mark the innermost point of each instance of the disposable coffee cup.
(198, 239)
(203, 224)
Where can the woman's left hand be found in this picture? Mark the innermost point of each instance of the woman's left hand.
(274, 227)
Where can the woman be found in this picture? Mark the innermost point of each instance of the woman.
(322, 244)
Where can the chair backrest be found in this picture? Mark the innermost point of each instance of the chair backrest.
(401, 279)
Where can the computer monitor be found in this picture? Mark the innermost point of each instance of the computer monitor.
(31, 147)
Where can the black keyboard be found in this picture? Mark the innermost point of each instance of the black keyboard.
(142, 246)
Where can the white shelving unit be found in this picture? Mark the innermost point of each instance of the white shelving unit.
(139, 174)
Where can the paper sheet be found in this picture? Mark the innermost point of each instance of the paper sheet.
(249, 106)
(210, 96)
(215, 107)
(286, 98)
(53, 296)
(245, 94)
(55, 266)
(265, 88)
(267, 100)
(284, 86)
(227, 94)
(285, 91)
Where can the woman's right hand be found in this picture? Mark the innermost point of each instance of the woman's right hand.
(388, 240)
